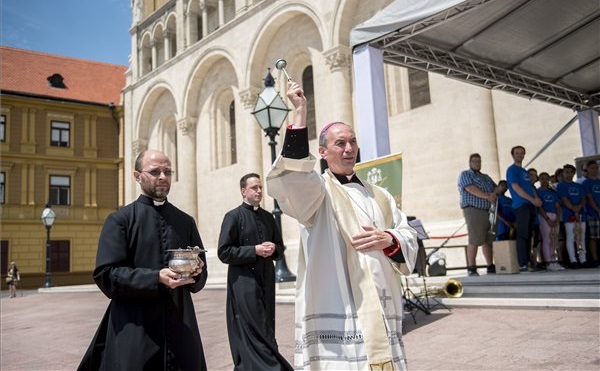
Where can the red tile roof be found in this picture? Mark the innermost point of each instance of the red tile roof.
(26, 72)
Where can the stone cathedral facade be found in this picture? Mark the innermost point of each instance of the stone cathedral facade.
(197, 67)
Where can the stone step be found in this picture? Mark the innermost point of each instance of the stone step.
(569, 289)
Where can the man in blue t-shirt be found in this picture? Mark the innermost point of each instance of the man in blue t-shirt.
(549, 220)
(592, 188)
(525, 201)
(573, 197)
(506, 216)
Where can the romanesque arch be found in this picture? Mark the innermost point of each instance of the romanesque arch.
(157, 116)
(279, 29)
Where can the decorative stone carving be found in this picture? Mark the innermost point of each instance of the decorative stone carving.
(139, 145)
(248, 97)
(138, 11)
(186, 125)
(338, 57)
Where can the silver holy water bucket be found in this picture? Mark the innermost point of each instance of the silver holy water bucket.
(184, 261)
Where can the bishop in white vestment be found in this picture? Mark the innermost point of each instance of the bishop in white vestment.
(354, 244)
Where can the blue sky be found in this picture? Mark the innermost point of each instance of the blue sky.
(96, 30)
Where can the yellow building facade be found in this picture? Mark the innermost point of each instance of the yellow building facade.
(60, 147)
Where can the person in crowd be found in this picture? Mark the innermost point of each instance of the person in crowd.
(12, 279)
(535, 258)
(557, 177)
(525, 200)
(549, 217)
(506, 216)
(354, 241)
(150, 322)
(533, 176)
(477, 194)
(249, 242)
(592, 188)
(573, 199)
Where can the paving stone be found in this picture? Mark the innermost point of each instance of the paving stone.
(51, 331)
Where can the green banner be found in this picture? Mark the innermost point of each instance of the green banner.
(385, 172)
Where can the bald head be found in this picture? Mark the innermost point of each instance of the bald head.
(153, 173)
(148, 153)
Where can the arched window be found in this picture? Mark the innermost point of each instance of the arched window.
(224, 131)
(309, 93)
(163, 137)
(145, 55)
(232, 134)
(418, 84)
(158, 42)
(171, 34)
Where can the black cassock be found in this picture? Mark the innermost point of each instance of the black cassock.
(251, 288)
(147, 325)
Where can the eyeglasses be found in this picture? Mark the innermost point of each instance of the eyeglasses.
(156, 172)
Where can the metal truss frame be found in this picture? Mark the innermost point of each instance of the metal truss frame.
(400, 49)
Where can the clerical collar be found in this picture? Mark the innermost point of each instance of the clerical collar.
(150, 201)
(344, 179)
(248, 206)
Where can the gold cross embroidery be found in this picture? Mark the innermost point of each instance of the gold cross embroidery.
(382, 366)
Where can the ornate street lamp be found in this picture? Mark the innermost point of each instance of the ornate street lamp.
(270, 112)
(48, 217)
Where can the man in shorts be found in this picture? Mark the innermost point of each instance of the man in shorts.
(477, 194)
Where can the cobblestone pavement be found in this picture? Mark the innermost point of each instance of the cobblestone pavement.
(51, 331)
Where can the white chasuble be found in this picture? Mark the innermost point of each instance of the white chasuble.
(338, 327)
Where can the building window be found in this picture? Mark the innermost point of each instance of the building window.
(60, 134)
(309, 93)
(225, 138)
(60, 256)
(2, 128)
(418, 84)
(56, 81)
(232, 137)
(2, 187)
(60, 190)
(4, 257)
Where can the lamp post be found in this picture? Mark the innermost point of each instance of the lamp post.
(270, 112)
(48, 217)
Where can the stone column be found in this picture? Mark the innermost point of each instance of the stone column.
(338, 61)
(180, 35)
(134, 59)
(167, 44)
(252, 154)
(154, 55)
(187, 179)
(141, 68)
(221, 11)
(204, 10)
